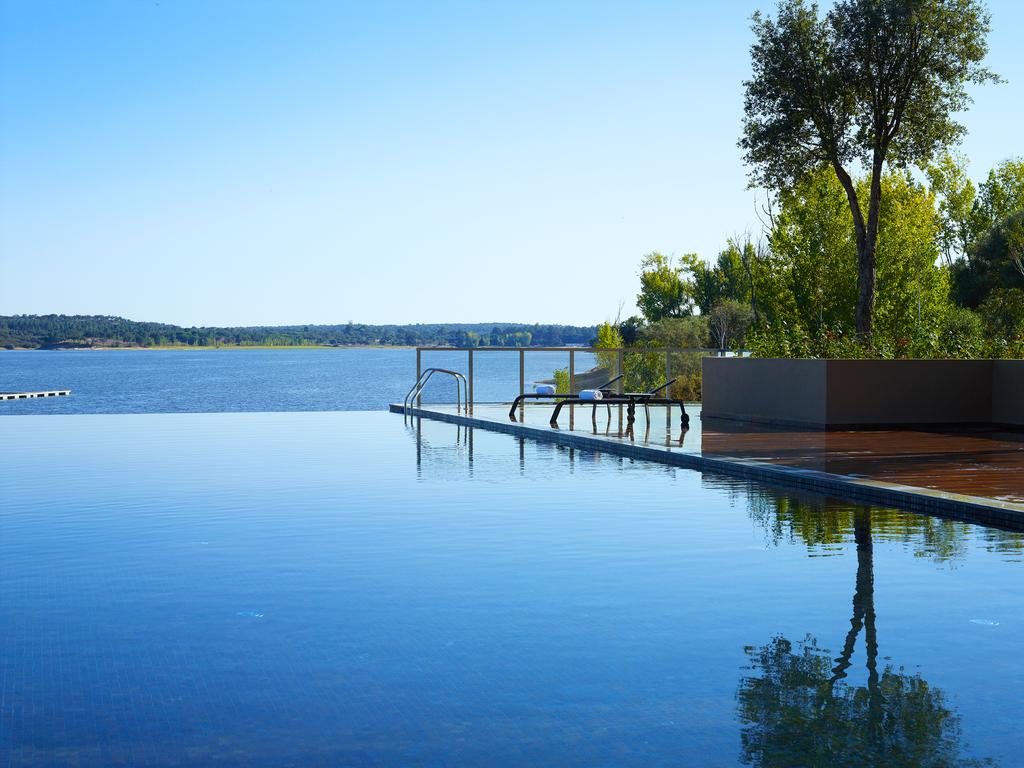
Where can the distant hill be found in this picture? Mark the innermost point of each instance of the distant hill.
(83, 331)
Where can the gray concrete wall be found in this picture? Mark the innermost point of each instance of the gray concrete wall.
(1008, 392)
(837, 393)
(909, 392)
(765, 390)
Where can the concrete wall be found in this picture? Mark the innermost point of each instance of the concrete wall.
(763, 389)
(1008, 392)
(837, 393)
(909, 392)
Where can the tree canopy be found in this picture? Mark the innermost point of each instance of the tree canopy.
(870, 83)
(662, 290)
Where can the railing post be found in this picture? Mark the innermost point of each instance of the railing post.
(419, 372)
(622, 382)
(470, 395)
(572, 387)
(522, 372)
(668, 377)
(522, 384)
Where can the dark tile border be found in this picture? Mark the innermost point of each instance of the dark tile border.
(973, 509)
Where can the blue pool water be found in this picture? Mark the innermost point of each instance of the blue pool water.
(211, 381)
(300, 589)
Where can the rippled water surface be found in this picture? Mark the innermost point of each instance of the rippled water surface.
(219, 380)
(344, 589)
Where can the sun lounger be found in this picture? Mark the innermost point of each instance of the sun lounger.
(605, 390)
(630, 400)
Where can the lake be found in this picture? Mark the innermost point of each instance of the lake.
(199, 381)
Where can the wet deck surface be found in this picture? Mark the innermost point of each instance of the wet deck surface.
(973, 463)
(977, 463)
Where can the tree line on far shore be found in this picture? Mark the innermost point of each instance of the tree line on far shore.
(83, 331)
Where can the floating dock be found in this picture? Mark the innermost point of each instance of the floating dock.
(30, 395)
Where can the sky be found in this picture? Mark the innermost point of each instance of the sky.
(266, 163)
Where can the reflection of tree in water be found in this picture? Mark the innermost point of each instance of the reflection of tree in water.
(1004, 542)
(796, 714)
(824, 525)
(798, 709)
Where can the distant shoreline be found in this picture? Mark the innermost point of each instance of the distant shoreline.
(185, 347)
(90, 332)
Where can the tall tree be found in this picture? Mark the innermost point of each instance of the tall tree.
(957, 200)
(1000, 195)
(811, 278)
(663, 292)
(872, 82)
(729, 321)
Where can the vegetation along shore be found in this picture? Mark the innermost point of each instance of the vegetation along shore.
(109, 332)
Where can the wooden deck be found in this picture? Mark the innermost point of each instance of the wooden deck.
(982, 463)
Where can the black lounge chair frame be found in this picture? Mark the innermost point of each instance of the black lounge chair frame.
(630, 400)
(606, 391)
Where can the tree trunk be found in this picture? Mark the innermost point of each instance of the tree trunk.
(753, 291)
(866, 255)
(867, 237)
(865, 288)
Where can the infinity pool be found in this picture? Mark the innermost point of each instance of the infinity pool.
(303, 589)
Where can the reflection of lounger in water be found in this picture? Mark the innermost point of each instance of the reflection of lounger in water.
(629, 399)
(547, 392)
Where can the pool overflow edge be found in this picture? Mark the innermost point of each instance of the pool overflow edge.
(972, 509)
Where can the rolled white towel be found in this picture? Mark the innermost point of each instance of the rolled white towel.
(544, 389)
(590, 394)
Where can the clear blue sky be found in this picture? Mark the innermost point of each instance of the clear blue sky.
(253, 162)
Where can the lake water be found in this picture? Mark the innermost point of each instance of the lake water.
(327, 589)
(170, 381)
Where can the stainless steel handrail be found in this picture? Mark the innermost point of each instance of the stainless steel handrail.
(421, 383)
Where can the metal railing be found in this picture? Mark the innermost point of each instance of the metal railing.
(619, 352)
(413, 396)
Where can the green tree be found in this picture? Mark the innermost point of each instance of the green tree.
(678, 332)
(608, 340)
(730, 277)
(1000, 195)
(873, 82)
(630, 329)
(811, 274)
(663, 292)
(1003, 315)
(649, 369)
(913, 291)
(962, 334)
(957, 199)
(996, 263)
(729, 322)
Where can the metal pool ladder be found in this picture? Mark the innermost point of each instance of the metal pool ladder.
(460, 387)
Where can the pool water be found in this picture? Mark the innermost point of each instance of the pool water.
(346, 589)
